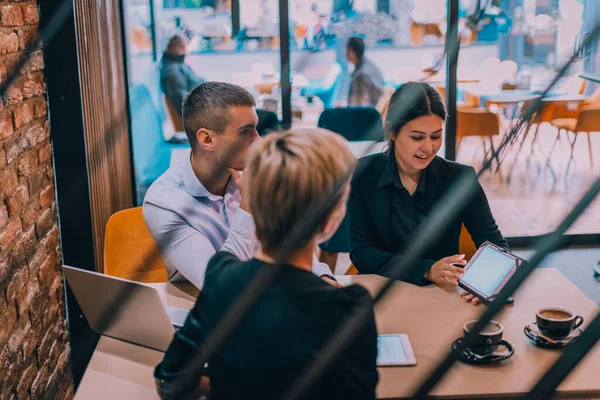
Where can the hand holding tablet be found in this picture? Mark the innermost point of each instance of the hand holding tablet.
(488, 271)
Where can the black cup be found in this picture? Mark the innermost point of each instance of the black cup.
(557, 323)
(486, 341)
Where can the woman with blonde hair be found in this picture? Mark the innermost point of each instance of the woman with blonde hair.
(296, 183)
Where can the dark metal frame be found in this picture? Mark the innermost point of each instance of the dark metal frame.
(70, 167)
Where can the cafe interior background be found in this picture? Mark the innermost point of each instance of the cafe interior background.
(504, 61)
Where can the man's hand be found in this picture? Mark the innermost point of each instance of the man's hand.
(331, 281)
(240, 182)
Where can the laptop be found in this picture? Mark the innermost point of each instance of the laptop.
(125, 310)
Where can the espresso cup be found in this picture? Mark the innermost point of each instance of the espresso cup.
(557, 323)
(486, 341)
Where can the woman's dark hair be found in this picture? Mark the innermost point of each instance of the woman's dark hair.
(411, 101)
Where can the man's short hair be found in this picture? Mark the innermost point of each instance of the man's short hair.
(357, 45)
(289, 176)
(206, 106)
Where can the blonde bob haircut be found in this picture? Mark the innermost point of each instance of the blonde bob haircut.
(289, 176)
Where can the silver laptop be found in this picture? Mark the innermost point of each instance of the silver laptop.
(125, 310)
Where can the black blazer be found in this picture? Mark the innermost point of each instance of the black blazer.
(370, 208)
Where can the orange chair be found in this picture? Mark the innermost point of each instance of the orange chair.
(174, 116)
(466, 246)
(587, 121)
(129, 250)
(477, 121)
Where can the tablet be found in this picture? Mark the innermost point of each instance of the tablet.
(394, 350)
(488, 271)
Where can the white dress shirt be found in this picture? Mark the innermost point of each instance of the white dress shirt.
(190, 224)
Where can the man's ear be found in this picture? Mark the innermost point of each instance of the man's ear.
(205, 139)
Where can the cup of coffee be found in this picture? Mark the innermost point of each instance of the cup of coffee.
(557, 323)
(486, 341)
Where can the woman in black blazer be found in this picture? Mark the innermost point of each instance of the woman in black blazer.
(393, 194)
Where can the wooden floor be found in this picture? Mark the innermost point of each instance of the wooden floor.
(532, 203)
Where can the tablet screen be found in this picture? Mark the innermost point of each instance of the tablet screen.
(488, 270)
(390, 350)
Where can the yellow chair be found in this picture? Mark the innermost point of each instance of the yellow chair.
(174, 116)
(129, 250)
(466, 246)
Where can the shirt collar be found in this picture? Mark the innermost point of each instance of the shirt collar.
(195, 188)
(390, 176)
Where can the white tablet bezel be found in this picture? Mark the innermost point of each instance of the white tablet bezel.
(474, 290)
(408, 352)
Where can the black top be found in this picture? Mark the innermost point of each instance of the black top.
(279, 337)
(384, 217)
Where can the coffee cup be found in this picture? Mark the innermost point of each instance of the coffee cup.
(556, 322)
(486, 341)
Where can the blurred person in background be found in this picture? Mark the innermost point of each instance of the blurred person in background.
(366, 86)
(176, 78)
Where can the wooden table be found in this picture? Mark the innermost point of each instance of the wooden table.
(431, 317)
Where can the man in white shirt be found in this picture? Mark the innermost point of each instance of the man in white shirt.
(196, 208)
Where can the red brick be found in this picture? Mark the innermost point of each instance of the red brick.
(33, 85)
(33, 338)
(18, 334)
(47, 196)
(11, 15)
(8, 318)
(4, 270)
(51, 240)
(6, 125)
(39, 107)
(27, 163)
(37, 259)
(9, 43)
(30, 14)
(40, 302)
(10, 365)
(15, 203)
(3, 216)
(40, 381)
(48, 270)
(26, 295)
(35, 135)
(44, 223)
(8, 236)
(8, 182)
(37, 181)
(26, 36)
(2, 158)
(17, 283)
(27, 377)
(14, 94)
(22, 115)
(43, 351)
(52, 310)
(56, 283)
(3, 72)
(14, 147)
(30, 213)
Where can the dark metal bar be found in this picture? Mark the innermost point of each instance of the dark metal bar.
(153, 30)
(566, 363)
(286, 81)
(452, 42)
(235, 17)
(58, 35)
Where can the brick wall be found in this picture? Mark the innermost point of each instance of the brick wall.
(34, 346)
